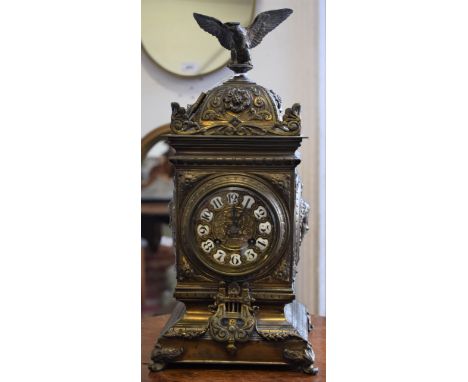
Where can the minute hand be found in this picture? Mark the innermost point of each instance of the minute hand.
(234, 215)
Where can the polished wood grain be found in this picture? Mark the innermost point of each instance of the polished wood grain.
(151, 326)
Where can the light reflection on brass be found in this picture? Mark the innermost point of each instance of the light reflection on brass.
(237, 255)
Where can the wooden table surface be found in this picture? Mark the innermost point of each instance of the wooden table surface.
(151, 326)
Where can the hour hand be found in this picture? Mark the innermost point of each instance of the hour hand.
(234, 227)
(234, 216)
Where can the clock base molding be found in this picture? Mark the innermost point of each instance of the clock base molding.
(276, 335)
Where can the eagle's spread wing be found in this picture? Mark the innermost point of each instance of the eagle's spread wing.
(264, 23)
(216, 28)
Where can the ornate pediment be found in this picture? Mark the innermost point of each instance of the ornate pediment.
(238, 107)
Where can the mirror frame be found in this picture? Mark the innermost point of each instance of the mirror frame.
(252, 16)
(153, 137)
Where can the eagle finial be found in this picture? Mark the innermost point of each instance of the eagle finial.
(238, 39)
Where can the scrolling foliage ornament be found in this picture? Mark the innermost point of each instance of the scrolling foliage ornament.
(237, 107)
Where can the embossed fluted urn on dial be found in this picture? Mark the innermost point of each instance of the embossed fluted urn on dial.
(238, 219)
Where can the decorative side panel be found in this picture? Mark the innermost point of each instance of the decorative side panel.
(301, 222)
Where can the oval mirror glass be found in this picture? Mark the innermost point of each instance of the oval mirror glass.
(172, 38)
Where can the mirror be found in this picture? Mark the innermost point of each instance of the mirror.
(173, 39)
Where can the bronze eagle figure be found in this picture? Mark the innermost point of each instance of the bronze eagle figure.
(238, 39)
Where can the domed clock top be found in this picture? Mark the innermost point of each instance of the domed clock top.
(238, 107)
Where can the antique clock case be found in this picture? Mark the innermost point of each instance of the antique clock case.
(238, 219)
(237, 307)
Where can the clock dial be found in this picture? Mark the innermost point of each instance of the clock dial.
(234, 228)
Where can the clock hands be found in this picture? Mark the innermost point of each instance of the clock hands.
(234, 215)
(234, 227)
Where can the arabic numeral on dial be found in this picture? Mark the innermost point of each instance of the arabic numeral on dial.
(265, 228)
(206, 215)
(250, 255)
(217, 202)
(208, 245)
(235, 260)
(247, 201)
(260, 213)
(261, 243)
(203, 230)
(219, 256)
(232, 197)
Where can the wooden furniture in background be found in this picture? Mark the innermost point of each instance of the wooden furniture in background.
(160, 209)
(143, 273)
(153, 137)
(152, 326)
(156, 258)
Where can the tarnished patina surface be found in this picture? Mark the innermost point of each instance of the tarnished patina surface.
(238, 220)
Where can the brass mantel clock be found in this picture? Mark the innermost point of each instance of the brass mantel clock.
(238, 220)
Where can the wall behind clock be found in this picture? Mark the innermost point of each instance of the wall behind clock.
(289, 61)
